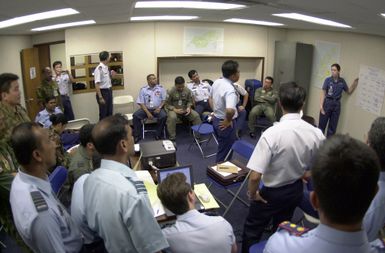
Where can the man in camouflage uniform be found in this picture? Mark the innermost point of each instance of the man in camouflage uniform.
(11, 115)
(48, 88)
(80, 164)
(179, 104)
(265, 99)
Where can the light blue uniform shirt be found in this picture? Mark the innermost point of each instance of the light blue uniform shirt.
(77, 211)
(151, 97)
(43, 117)
(102, 76)
(197, 232)
(374, 219)
(224, 96)
(51, 229)
(117, 208)
(322, 239)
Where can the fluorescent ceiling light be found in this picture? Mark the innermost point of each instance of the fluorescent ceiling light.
(383, 14)
(147, 18)
(249, 21)
(37, 16)
(311, 19)
(188, 5)
(51, 27)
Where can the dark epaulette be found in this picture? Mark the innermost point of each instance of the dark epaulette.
(139, 185)
(292, 228)
(39, 201)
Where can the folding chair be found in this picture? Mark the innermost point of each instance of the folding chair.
(76, 124)
(121, 104)
(151, 121)
(245, 150)
(57, 178)
(201, 130)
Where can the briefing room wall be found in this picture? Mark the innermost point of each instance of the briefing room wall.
(142, 43)
(356, 49)
(10, 48)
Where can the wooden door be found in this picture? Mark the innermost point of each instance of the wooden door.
(31, 79)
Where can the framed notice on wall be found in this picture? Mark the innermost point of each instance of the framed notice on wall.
(203, 40)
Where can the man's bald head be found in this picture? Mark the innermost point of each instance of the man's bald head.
(109, 132)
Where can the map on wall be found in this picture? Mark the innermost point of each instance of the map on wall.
(371, 89)
(201, 40)
(325, 54)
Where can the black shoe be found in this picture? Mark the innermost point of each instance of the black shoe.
(252, 135)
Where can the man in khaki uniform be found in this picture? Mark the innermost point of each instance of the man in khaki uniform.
(179, 104)
(265, 99)
(48, 88)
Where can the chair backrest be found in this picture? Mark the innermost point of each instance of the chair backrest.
(242, 148)
(250, 86)
(57, 178)
(76, 124)
(122, 100)
(123, 104)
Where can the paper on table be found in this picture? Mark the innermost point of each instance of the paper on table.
(225, 174)
(156, 205)
(201, 190)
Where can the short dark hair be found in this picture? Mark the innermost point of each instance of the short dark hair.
(103, 56)
(48, 98)
(24, 141)
(56, 63)
(58, 118)
(179, 80)
(149, 75)
(5, 82)
(345, 175)
(172, 192)
(338, 67)
(108, 133)
(292, 97)
(191, 73)
(270, 78)
(376, 139)
(229, 68)
(85, 134)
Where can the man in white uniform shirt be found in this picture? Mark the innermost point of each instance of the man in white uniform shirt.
(103, 85)
(224, 101)
(201, 93)
(64, 81)
(282, 156)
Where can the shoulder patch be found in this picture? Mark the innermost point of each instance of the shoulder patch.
(292, 228)
(39, 201)
(139, 185)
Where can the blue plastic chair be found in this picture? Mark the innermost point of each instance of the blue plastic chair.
(258, 247)
(57, 178)
(245, 150)
(201, 130)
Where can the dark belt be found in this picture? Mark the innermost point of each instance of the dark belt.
(333, 99)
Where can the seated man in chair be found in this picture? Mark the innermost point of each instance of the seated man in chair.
(192, 231)
(151, 100)
(179, 104)
(265, 99)
(50, 108)
(201, 93)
